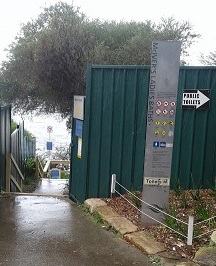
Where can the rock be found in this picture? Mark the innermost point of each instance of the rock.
(145, 242)
(122, 225)
(106, 212)
(94, 203)
(213, 238)
(188, 263)
(206, 256)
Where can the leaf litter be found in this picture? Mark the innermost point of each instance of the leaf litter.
(199, 203)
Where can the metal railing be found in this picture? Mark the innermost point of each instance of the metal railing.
(190, 224)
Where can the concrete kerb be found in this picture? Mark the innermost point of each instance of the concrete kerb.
(33, 194)
(140, 239)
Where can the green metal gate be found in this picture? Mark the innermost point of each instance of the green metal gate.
(114, 131)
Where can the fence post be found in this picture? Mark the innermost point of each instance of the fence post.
(8, 172)
(190, 232)
(113, 185)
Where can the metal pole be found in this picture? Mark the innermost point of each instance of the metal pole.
(190, 233)
(113, 182)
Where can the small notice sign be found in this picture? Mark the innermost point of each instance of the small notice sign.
(79, 149)
(157, 181)
(55, 174)
(79, 128)
(79, 107)
(196, 99)
(49, 145)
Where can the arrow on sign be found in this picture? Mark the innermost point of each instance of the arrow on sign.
(194, 99)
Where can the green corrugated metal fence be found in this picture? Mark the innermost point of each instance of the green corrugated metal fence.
(194, 154)
(5, 141)
(114, 131)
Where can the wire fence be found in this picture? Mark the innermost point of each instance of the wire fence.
(190, 225)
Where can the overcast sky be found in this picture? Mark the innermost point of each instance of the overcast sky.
(201, 15)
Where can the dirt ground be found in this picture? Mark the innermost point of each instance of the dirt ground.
(199, 203)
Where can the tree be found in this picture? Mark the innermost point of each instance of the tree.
(47, 62)
(209, 59)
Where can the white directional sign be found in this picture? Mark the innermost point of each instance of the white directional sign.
(194, 99)
(49, 129)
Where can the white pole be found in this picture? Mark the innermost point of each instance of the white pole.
(113, 185)
(190, 231)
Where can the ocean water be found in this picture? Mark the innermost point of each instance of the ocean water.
(39, 126)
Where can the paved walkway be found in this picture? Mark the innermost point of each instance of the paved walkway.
(49, 231)
(51, 186)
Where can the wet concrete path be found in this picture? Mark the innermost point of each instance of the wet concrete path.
(41, 230)
(51, 186)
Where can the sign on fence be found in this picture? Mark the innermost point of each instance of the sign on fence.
(194, 99)
(165, 59)
(79, 102)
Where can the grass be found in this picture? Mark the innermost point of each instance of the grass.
(203, 212)
(155, 261)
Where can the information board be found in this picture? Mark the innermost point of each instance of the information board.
(49, 145)
(79, 102)
(79, 128)
(163, 84)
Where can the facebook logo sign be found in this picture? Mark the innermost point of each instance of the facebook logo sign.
(156, 144)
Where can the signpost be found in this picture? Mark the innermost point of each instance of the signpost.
(163, 84)
(49, 143)
(196, 99)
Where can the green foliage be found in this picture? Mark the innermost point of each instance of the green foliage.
(47, 62)
(177, 187)
(27, 134)
(13, 126)
(65, 176)
(209, 60)
(213, 189)
(61, 153)
(184, 201)
(87, 209)
(203, 212)
(171, 222)
(195, 194)
(155, 261)
(135, 199)
(97, 217)
(29, 168)
(214, 185)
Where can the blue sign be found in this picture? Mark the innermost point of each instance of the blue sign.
(156, 144)
(79, 128)
(163, 144)
(49, 145)
(55, 173)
